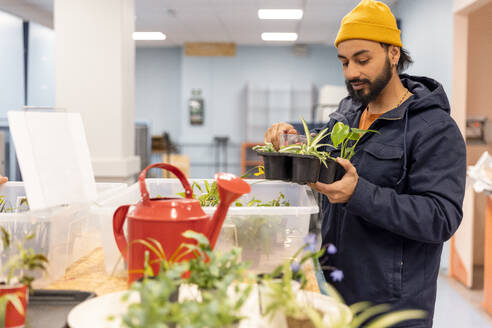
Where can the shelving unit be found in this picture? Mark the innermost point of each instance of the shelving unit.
(266, 105)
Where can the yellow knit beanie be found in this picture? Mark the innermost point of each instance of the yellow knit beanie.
(370, 20)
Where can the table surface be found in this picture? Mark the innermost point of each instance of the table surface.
(89, 274)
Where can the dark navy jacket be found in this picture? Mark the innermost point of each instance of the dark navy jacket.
(408, 201)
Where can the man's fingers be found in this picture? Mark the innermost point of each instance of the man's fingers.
(345, 163)
(324, 187)
(273, 133)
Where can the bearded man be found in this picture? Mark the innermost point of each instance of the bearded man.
(401, 196)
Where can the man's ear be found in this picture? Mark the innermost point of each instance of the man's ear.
(394, 55)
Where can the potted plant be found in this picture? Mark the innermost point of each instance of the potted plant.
(345, 139)
(306, 157)
(17, 266)
(280, 290)
(212, 272)
(294, 308)
(278, 165)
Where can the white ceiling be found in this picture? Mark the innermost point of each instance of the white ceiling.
(233, 20)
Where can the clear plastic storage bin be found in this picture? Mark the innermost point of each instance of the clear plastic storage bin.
(267, 235)
(63, 233)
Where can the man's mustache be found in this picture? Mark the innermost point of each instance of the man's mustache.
(358, 81)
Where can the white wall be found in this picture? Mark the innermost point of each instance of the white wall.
(427, 33)
(223, 80)
(11, 64)
(164, 83)
(158, 89)
(41, 66)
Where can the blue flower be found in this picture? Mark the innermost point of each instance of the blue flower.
(336, 275)
(295, 266)
(310, 241)
(331, 249)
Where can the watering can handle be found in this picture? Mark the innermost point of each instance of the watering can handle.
(119, 219)
(173, 169)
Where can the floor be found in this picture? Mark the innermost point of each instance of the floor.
(459, 307)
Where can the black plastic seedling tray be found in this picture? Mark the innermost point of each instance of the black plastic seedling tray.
(331, 173)
(278, 166)
(305, 168)
(50, 308)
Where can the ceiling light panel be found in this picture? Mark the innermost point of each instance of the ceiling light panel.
(280, 14)
(149, 36)
(270, 36)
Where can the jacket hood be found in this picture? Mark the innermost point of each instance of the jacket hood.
(427, 94)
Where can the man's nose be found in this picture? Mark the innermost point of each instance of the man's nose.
(351, 72)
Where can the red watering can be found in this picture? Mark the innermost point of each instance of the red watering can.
(165, 219)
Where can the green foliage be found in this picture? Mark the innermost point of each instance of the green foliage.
(213, 273)
(215, 270)
(267, 148)
(4, 206)
(364, 311)
(312, 145)
(340, 136)
(281, 294)
(255, 233)
(209, 197)
(284, 298)
(21, 261)
(277, 202)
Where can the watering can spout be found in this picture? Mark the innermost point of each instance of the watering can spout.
(230, 188)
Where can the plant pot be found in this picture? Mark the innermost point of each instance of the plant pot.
(331, 173)
(299, 323)
(266, 297)
(12, 317)
(278, 166)
(305, 168)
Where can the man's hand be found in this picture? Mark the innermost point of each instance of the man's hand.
(3, 180)
(340, 191)
(273, 133)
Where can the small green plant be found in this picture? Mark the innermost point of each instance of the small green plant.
(20, 262)
(267, 148)
(213, 270)
(277, 202)
(312, 145)
(284, 299)
(209, 194)
(342, 134)
(342, 137)
(4, 206)
(16, 267)
(213, 273)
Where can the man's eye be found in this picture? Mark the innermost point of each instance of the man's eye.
(345, 64)
(363, 62)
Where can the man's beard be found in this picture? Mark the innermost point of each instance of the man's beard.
(375, 87)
